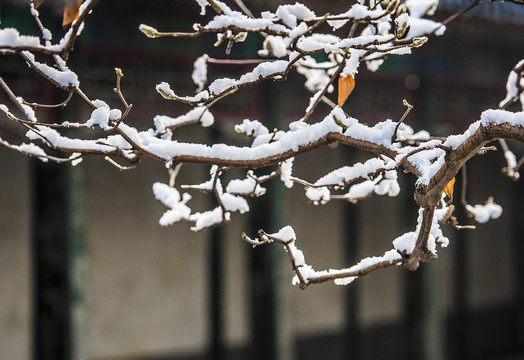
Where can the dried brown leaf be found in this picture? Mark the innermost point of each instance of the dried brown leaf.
(448, 190)
(71, 10)
(346, 84)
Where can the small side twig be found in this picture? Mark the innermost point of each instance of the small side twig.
(409, 107)
(118, 90)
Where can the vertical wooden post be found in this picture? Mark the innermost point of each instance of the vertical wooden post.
(517, 214)
(50, 257)
(459, 349)
(58, 260)
(351, 246)
(216, 295)
(269, 340)
(216, 350)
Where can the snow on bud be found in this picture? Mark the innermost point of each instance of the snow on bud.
(47, 35)
(209, 218)
(389, 185)
(512, 164)
(148, 31)
(484, 213)
(286, 234)
(171, 198)
(33, 150)
(11, 37)
(419, 41)
(512, 86)
(245, 187)
(337, 24)
(28, 110)
(420, 8)
(234, 203)
(274, 46)
(251, 128)
(318, 195)
(286, 169)
(340, 118)
(199, 74)
(207, 119)
(102, 115)
(361, 190)
(77, 158)
(289, 14)
(203, 4)
(402, 26)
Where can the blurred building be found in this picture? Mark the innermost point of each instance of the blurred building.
(86, 272)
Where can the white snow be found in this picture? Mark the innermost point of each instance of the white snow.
(203, 4)
(64, 78)
(484, 213)
(171, 198)
(361, 190)
(290, 14)
(420, 27)
(245, 187)
(11, 38)
(428, 162)
(352, 64)
(199, 113)
(261, 71)
(286, 169)
(318, 195)
(208, 218)
(405, 243)
(345, 174)
(234, 203)
(199, 74)
(238, 20)
(420, 8)
(251, 128)
(511, 160)
(165, 90)
(285, 234)
(274, 46)
(454, 141)
(498, 117)
(33, 150)
(28, 110)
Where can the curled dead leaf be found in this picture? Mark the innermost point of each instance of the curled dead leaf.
(346, 84)
(448, 190)
(70, 11)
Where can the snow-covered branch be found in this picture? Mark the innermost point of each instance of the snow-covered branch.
(291, 36)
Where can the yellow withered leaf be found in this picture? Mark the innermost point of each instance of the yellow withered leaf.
(71, 11)
(448, 190)
(346, 84)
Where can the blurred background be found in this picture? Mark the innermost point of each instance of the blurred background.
(86, 272)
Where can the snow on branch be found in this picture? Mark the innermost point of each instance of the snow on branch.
(292, 36)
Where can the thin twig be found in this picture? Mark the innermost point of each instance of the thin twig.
(62, 104)
(118, 90)
(11, 95)
(409, 107)
(173, 173)
(244, 8)
(117, 165)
